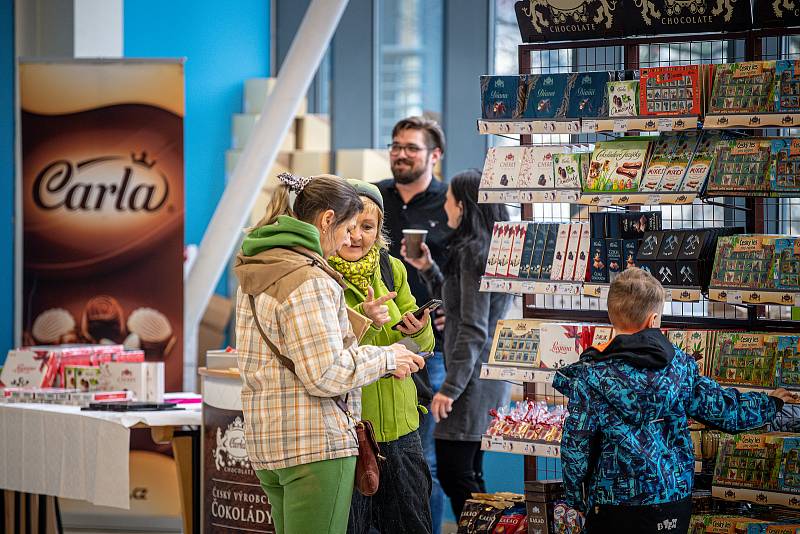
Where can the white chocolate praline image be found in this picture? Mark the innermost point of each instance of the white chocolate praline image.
(53, 326)
(153, 330)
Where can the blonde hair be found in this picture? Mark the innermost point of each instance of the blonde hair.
(371, 208)
(633, 296)
(323, 192)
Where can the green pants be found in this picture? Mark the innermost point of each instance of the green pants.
(310, 498)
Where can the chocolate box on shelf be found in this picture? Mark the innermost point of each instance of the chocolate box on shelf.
(582, 261)
(527, 250)
(787, 94)
(614, 254)
(568, 170)
(516, 342)
(546, 96)
(560, 254)
(598, 264)
(786, 264)
(670, 245)
(537, 257)
(666, 91)
(549, 250)
(745, 359)
(741, 165)
(520, 229)
(561, 344)
(623, 98)
(616, 166)
(789, 361)
(744, 88)
(494, 249)
(651, 243)
(630, 248)
(501, 97)
(587, 94)
(784, 169)
(743, 261)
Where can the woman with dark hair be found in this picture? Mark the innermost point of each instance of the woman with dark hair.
(299, 356)
(461, 407)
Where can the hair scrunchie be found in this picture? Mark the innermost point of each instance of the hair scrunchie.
(295, 183)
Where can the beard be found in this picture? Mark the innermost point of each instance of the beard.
(408, 176)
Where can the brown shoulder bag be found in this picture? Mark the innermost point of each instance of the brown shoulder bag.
(369, 453)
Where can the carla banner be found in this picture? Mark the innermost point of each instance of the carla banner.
(102, 205)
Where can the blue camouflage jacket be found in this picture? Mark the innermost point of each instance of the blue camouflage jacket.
(626, 440)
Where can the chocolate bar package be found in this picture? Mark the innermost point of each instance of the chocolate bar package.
(494, 249)
(537, 167)
(560, 254)
(587, 94)
(743, 261)
(744, 88)
(678, 165)
(670, 245)
(630, 248)
(616, 166)
(582, 261)
(651, 243)
(527, 250)
(702, 161)
(789, 478)
(538, 251)
(502, 97)
(623, 99)
(741, 165)
(502, 167)
(787, 95)
(549, 250)
(599, 265)
(786, 264)
(665, 272)
(666, 91)
(615, 258)
(633, 225)
(506, 245)
(520, 229)
(745, 359)
(571, 257)
(546, 96)
(664, 147)
(567, 171)
(784, 169)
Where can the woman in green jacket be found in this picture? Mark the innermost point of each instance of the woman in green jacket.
(402, 503)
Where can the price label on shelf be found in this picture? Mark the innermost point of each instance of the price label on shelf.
(620, 125)
(735, 297)
(567, 196)
(508, 374)
(528, 288)
(653, 200)
(589, 126)
(604, 292)
(496, 442)
(668, 295)
(605, 200)
(664, 124)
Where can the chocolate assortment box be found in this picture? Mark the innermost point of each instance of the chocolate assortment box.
(623, 98)
(546, 96)
(617, 166)
(501, 97)
(789, 362)
(784, 169)
(745, 359)
(741, 165)
(666, 91)
(587, 94)
(786, 264)
(744, 88)
(516, 342)
(744, 261)
(787, 95)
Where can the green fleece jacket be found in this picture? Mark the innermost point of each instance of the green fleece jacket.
(390, 404)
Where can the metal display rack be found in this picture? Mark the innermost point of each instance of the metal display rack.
(688, 307)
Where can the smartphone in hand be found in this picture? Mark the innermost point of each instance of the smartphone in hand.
(430, 305)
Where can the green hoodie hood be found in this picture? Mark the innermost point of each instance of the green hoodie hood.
(285, 232)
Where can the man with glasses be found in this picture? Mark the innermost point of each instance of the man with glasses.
(413, 198)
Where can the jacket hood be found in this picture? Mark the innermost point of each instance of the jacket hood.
(634, 375)
(286, 232)
(258, 273)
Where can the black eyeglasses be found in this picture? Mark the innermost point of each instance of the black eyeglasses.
(411, 150)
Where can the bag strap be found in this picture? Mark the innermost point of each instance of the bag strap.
(385, 265)
(286, 362)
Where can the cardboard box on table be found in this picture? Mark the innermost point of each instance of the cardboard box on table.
(213, 326)
(371, 165)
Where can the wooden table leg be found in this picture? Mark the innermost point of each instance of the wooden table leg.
(182, 450)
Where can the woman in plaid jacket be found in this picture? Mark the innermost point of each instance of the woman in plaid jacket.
(302, 446)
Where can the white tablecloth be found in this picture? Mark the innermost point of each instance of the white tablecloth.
(63, 451)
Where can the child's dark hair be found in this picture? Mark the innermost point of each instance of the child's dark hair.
(470, 241)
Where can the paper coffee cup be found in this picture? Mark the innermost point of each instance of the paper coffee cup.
(414, 238)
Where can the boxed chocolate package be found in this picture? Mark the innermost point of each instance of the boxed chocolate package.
(504, 256)
(664, 148)
(787, 95)
(546, 96)
(672, 90)
(743, 261)
(520, 229)
(616, 166)
(784, 169)
(623, 98)
(745, 358)
(538, 251)
(665, 272)
(537, 167)
(516, 342)
(651, 243)
(786, 264)
(587, 94)
(25, 368)
(789, 358)
(693, 244)
(744, 88)
(633, 225)
(615, 258)
(527, 250)
(502, 167)
(599, 263)
(741, 165)
(549, 250)
(567, 170)
(494, 249)
(630, 248)
(678, 165)
(145, 380)
(562, 344)
(670, 245)
(688, 273)
(560, 254)
(571, 255)
(702, 161)
(582, 261)
(501, 97)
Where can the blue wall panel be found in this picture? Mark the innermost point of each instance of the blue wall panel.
(7, 177)
(224, 43)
